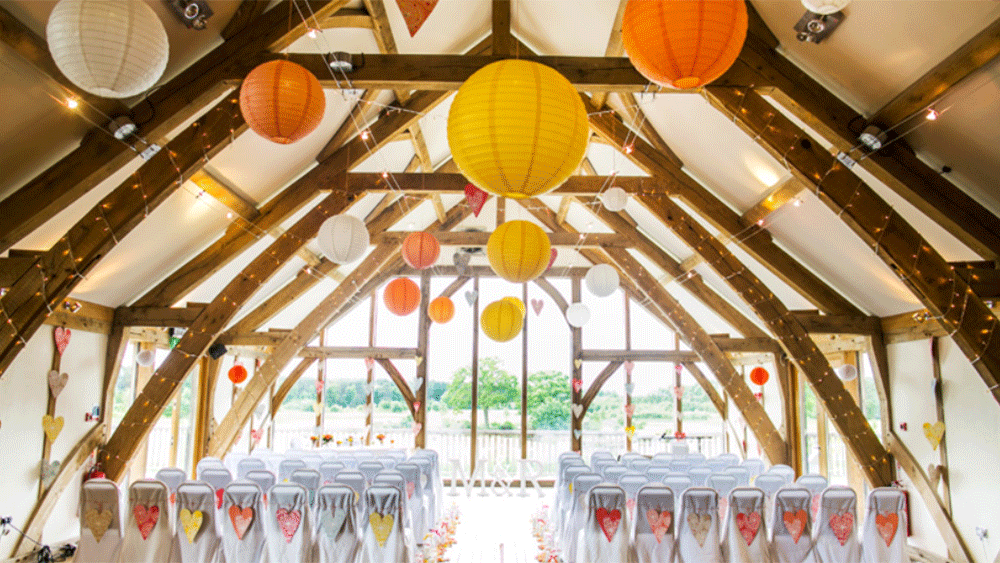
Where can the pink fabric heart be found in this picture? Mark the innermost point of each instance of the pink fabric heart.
(842, 525)
(537, 304)
(61, 336)
(288, 521)
(629, 366)
(369, 363)
(145, 518)
(608, 520)
(256, 435)
(476, 198)
(886, 526)
(630, 409)
(577, 385)
(241, 519)
(659, 522)
(552, 258)
(748, 524)
(410, 487)
(416, 428)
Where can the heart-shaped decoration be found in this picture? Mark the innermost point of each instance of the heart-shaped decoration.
(629, 366)
(52, 426)
(419, 383)
(577, 385)
(418, 359)
(659, 522)
(333, 521)
(57, 382)
(577, 410)
(552, 258)
(61, 336)
(98, 522)
(578, 362)
(814, 507)
(679, 392)
(629, 388)
(630, 409)
(218, 497)
(256, 435)
(416, 405)
(417, 427)
(886, 525)
(630, 431)
(191, 522)
(369, 363)
(795, 523)
(476, 198)
(678, 369)
(842, 525)
(748, 525)
(381, 526)
(630, 505)
(49, 472)
(461, 261)
(723, 506)
(410, 488)
(934, 433)
(577, 433)
(288, 522)
(241, 519)
(145, 518)
(536, 305)
(319, 387)
(470, 297)
(609, 521)
(699, 525)
(369, 389)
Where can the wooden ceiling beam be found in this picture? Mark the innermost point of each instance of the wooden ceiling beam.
(477, 239)
(359, 352)
(815, 323)
(441, 182)
(157, 316)
(245, 14)
(349, 18)
(637, 121)
(615, 48)
(226, 194)
(503, 41)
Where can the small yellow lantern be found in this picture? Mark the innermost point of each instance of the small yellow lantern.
(501, 320)
(519, 251)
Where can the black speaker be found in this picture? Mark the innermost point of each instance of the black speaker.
(217, 350)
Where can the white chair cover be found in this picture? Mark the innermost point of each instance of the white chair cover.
(884, 535)
(678, 484)
(232, 461)
(613, 473)
(600, 454)
(355, 480)
(248, 464)
(716, 465)
(382, 538)
(564, 462)
(394, 478)
(218, 478)
(349, 460)
(312, 461)
(434, 483)
(289, 466)
(329, 469)
(837, 530)
(678, 448)
(792, 540)
(631, 483)
(242, 518)
(699, 475)
(308, 478)
(565, 492)
(263, 479)
(662, 458)
(414, 498)
(816, 485)
(605, 536)
(680, 465)
(742, 475)
(770, 483)
(657, 473)
(148, 529)
(288, 527)
(603, 463)
(745, 537)
(754, 466)
(197, 529)
(338, 536)
(785, 471)
(698, 531)
(723, 483)
(577, 514)
(653, 534)
(640, 465)
(172, 477)
(370, 469)
(730, 459)
(426, 465)
(627, 457)
(696, 459)
(364, 455)
(295, 453)
(100, 522)
(208, 463)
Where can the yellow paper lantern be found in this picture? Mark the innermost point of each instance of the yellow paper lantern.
(519, 251)
(501, 320)
(517, 303)
(517, 129)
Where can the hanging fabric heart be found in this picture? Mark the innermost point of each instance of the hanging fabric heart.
(333, 521)
(577, 433)
(461, 261)
(630, 409)
(416, 405)
(145, 518)
(288, 521)
(795, 523)
(241, 519)
(629, 388)
(410, 488)
(470, 297)
(319, 387)
(887, 526)
(256, 435)
(419, 383)
(629, 366)
(578, 362)
(476, 198)
(748, 525)
(630, 430)
(191, 522)
(98, 522)
(369, 389)
(369, 363)
(552, 258)
(418, 359)
(61, 336)
(49, 472)
(57, 382)
(699, 524)
(679, 392)
(417, 427)
(608, 520)
(934, 433)
(536, 305)
(678, 369)
(577, 385)
(659, 523)
(415, 13)
(52, 426)
(381, 527)
(577, 410)
(842, 525)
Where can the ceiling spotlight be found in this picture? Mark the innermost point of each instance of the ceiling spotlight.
(192, 13)
(341, 62)
(932, 114)
(814, 27)
(872, 137)
(122, 127)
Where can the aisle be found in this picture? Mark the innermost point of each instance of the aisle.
(489, 521)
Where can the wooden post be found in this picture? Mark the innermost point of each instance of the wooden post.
(678, 410)
(792, 414)
(320, 393)
(142, 376)
(576, 439)
(855, 477)
(628, 373)
(474, 423)
(208, 371)
(270, 415)
(370, 375)
(939, 405)
(823, 440)
(175, 430)
(524, 375)
(423, 345)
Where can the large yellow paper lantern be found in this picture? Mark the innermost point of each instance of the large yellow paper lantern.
(517, 129)
(501, 320)
(683, 43)
(518, 251)
(282, 101)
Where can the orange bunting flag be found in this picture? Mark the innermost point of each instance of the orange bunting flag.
(415, 13)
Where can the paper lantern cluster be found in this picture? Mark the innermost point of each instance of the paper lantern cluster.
(602, 280)
(518, 251)
(420, 250)
(402, 296)
(759, 375)
(108, 48)
(282, 101)
(441, 310)
(683, 43)
(501, 320)
(343, 239)
(517, 129)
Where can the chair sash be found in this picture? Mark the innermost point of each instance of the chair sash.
(613, 473)
(723, 483)
(218, 479)
(792, 540)
(289, 466)
(242, 517)
(208, 463)
(329, 469)
(745, 536)
(785, 471)
(382, 538)
(884, 534)
(576, 516)
(148, 529)
(605, 535)
(413, 496)
(699, 475)
(754, 466)
(770, 483)
(640, 465)
(837, 527)
(197, 529)
(657, 473)
(248, 464)
(631, 483)
(263, 479)
(565, 492)
(653, 528)
(370, 469)
(337, 533)
(816, 485)
(100, 522)
(698, 528)
(288, 527)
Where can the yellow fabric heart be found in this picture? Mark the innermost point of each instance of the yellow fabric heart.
(52, 426)
(934, 433)
(191, 521)
(381, 526)
(97, 521)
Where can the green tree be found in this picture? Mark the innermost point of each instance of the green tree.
(497, 388)
(549, 400)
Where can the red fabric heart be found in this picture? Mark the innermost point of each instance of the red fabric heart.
(886, 526)
(795, 523)
(256, 435)
(218, 498)
(369, 363)
(61, 336)
(476, 198)
(145, 518)
(748, 524)
(241, 519)
(577, 385)
(415, 13)
(552, 258)
(410, 486)
(288, 521)
(608, 520)
(842, 524)
(659, 522)
(630, 409)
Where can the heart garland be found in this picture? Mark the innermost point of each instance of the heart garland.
(52, 426)
(842, 525)
(381, 527)
(552, 258)
(934, 433)
(61, 336)
(629, 388)
(98, 522)
(145, 518)
(417, 427)
(679, 392)
(369, 363)
(699, 525)
(461, 261)
(577, 384)
(49, 472)
(288, 521)
(241, 519)
(416, 405)
(57, 382)
(795, 523)
(577, 410)
(630, 409)
(256, 435)
(659, 522)
(470, 297)
(537, 305)
(629, 366)
(333, 521)
(578, 362)
(630, 431)
(577, 433)
(886, 526)
(748, 525)
(191, 522)
(608, 520)
(476, 198)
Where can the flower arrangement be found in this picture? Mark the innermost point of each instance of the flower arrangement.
(324, 439)
(350, 440)
(380, 438)
(542, 531)
(440, 538)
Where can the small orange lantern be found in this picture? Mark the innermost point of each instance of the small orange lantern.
(759, 375)
(441, 310)
(237, 374)
(402, 296)
(282, 101)
(684, 43)
(420, 250)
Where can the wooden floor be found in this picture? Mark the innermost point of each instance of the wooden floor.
(487, 522)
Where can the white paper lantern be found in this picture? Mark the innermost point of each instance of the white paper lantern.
(614, 199)
(343, 238)
(577, 315)
(825, 7)
(109, 48)
(846, 372)
(602, 280)
(145, 358)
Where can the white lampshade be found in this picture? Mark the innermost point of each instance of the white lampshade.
(614, 199)
(343, 238)
(825, 7)
(109, 48)
(602, 280)
(577, 315)
(145, 358)
(846, 372)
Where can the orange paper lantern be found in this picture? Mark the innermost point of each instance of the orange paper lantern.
(683, 43)
(402, 296)
(441, 310)
(420, 250)
(282, 101)
(759, 376)
(237, 374)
